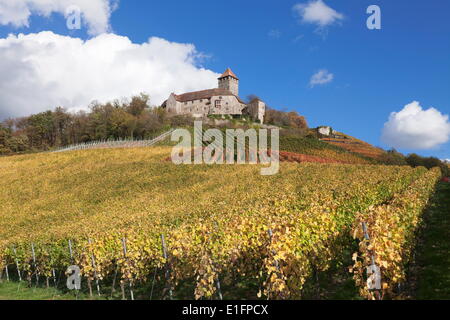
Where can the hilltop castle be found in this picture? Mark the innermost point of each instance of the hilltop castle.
(221, 101)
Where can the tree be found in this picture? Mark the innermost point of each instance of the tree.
(393, 157)
(40, 130)
(297, 121)
(61, 122)
(5, 135)
(138, 104)
(415, 160)
(285, 119)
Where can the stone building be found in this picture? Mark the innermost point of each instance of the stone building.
(223, 100)
(325, 130)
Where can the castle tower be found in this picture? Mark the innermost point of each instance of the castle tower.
(229, 81)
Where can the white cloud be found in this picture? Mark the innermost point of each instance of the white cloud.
(321, 77)
(45, 70)
(416, 128)
(318, 13)
(95, 13)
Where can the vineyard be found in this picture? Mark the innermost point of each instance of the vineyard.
(318, 148)
(354, 145)
(129, 218)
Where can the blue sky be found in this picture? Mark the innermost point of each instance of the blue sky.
(275, 54)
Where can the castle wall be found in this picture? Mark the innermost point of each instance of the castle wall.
(257, 110)
(229, 105)
(172, 105)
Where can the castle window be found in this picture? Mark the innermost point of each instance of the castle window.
(218, 103)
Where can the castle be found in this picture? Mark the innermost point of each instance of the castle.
(223, 100)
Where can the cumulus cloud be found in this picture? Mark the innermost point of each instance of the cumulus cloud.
(321, 77)
(416, 128)
(45, 70)
(95, 13)
(317, 12)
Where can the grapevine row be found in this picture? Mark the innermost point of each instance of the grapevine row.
(278, 242)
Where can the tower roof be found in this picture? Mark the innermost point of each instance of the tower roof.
(228, 73)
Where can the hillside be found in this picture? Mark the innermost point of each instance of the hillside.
(354, 145)
(314, 147)
(302, 146)
(215, 219)
(63, 192)
(133, 120)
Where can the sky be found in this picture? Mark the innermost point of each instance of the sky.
(387, 86)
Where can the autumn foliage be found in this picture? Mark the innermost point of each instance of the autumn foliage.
(220, 222)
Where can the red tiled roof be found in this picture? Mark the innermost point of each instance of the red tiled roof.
(205, 94)
(228, 73)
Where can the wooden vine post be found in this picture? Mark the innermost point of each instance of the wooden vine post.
(95, 270)
(167, 266)
(34, 263)
(7, 273)
(113, 287)
(373, 271)
(54, 276)
(219, 290)
(124, 246)
(72, 260)
(217, 281)
(17, 264)
(276, 264)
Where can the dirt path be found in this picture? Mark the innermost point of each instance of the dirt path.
(433, 255)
